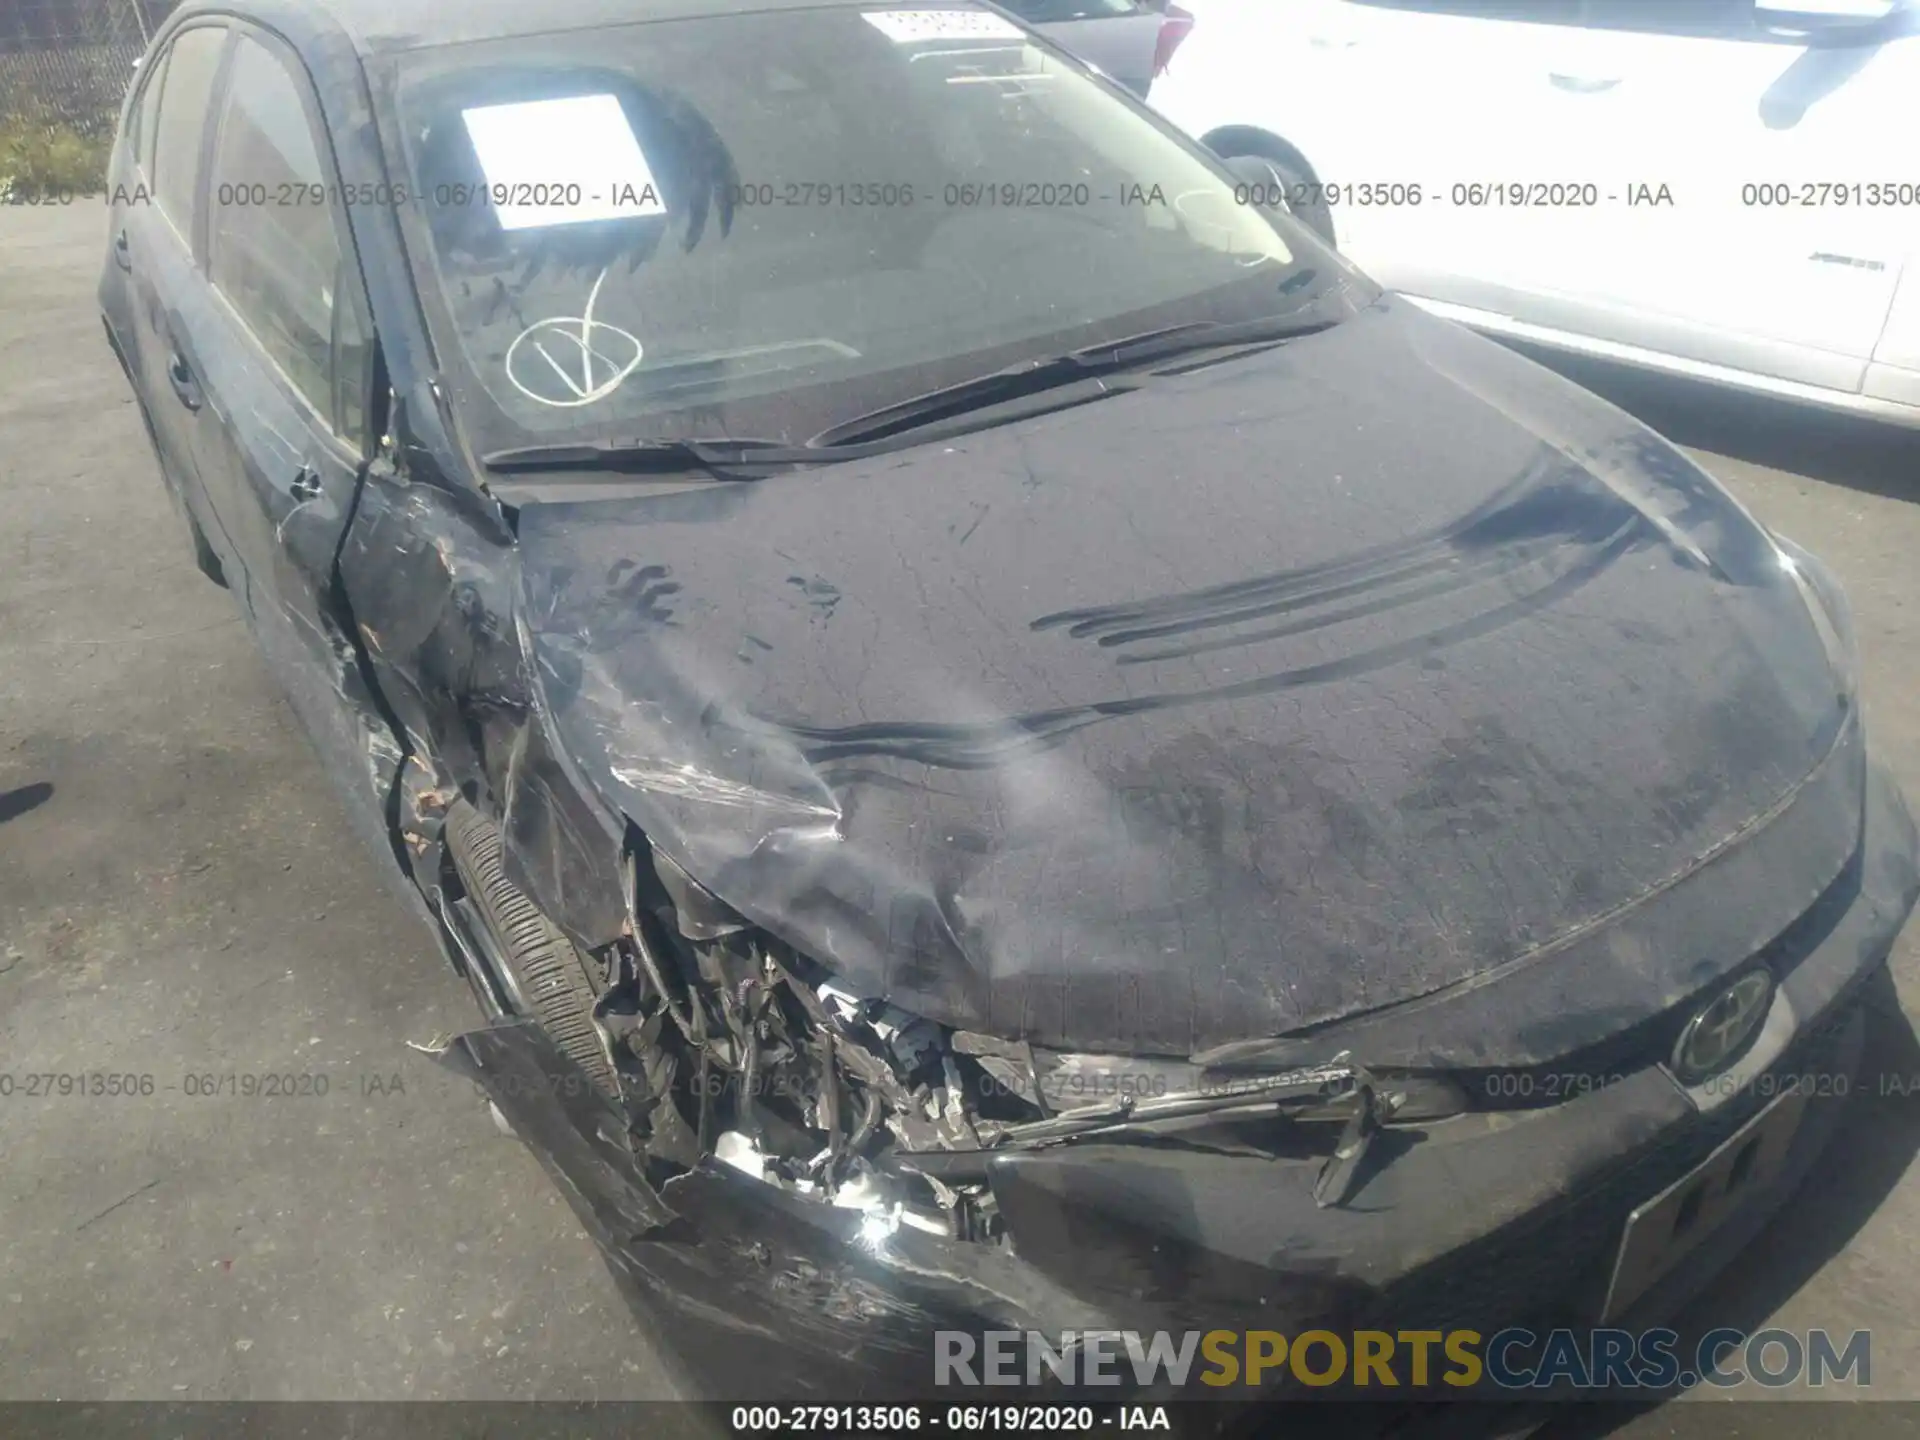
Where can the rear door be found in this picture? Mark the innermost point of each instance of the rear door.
(278, 346)
(153, 233)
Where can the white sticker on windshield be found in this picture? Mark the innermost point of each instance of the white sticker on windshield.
(908, 27)
(562, 162)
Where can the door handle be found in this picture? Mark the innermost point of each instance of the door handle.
(181, 378)
(1584, 84)
(122, 253)
(306, 484)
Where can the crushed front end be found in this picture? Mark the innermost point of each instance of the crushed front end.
(800, 1186)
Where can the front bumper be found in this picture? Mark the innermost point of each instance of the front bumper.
(1478, 1222)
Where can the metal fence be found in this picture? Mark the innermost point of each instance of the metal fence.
(67, 63)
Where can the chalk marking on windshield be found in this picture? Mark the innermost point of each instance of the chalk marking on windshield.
(578, 331)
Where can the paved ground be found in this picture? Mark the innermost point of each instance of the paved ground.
(179, 898)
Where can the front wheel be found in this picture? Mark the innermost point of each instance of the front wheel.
(560, 983)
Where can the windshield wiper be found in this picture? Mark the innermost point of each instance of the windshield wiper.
(1177, 340)
(1089, 363)
(1016, 382)
(750, 458)
(734, 458)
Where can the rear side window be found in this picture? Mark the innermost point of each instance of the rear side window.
(275, 251)
(187, 95)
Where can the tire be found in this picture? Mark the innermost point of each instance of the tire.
(561, 984)
(1306, 203)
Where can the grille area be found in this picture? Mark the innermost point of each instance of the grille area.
(1545, 1270)
(1551, 1267)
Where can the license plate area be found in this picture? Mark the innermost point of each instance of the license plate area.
(1666, 1229)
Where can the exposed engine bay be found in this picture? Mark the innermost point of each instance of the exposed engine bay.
(730, 1044)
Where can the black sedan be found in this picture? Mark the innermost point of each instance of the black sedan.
(1002, 739)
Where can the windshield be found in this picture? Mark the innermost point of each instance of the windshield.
(766, 223)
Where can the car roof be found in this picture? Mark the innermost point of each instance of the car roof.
(384, 25)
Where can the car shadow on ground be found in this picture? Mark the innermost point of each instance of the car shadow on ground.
(15, 803)
(1868, 455)
(1875, 1142)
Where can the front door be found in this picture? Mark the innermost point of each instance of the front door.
(277, 340)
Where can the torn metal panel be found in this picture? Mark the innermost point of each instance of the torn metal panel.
(777, 1296)
(561, 847)
(1112, 1233)
(1300, 731)
(727, 1268)
(582, 1139)
(429, 577)
(698, 913)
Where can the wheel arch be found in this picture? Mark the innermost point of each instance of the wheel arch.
(1227, 141)
(1252, 140)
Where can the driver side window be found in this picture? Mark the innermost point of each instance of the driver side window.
(278, 247)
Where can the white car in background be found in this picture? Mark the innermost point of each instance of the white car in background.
(1725, 189)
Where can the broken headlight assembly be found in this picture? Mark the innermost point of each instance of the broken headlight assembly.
(732, 1045)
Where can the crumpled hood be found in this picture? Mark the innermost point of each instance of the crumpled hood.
(1287, 690)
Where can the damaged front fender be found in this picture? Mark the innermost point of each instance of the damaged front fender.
(782, 1297)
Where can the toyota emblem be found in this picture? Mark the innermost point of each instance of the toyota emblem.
(1717, 1035)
